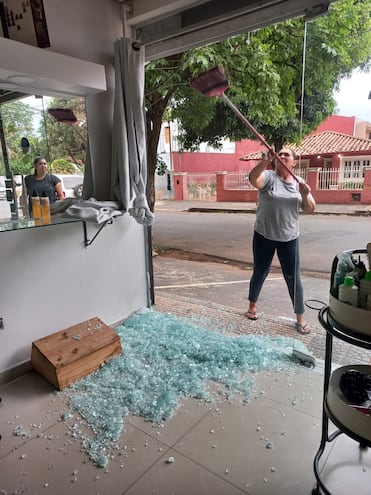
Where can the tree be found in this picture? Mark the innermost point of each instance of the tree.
(66, 141)
(17, 119)
(46, 136)
(265, 72)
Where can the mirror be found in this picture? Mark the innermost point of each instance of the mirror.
(51, 127)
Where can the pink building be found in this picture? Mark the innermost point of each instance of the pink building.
(335, 160)
(346, 125)
(196, 162)
(230, 161)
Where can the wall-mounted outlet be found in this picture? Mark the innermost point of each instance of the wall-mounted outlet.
(1, 324)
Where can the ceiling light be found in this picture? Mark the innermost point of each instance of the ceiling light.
(21, 79)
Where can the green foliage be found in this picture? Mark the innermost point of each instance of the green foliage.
(161, 166)
(66, 140)
(264, 69)
(159, 248)
(17, 120)
(63, 166)
(47, 137)
(351, 185)
(23, 165)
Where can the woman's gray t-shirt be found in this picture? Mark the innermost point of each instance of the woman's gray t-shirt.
(277, 214)
(47, 184)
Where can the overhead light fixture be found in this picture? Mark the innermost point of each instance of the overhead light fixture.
(21, 79)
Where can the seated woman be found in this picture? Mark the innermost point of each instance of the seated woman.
(41, 183)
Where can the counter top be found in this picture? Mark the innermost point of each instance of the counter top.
(7, 225)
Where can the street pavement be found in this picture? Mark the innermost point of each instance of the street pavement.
(229, 235)
(213, 292)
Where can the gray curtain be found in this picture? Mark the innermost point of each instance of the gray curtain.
(129, 151)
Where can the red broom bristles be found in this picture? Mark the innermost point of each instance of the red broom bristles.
(64, 115)
(211, 82)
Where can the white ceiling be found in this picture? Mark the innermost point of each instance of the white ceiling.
(21, 67)
(165, 27)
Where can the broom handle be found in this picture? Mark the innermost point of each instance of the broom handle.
(256, 133)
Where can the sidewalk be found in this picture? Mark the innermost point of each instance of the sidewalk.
(183, 289)
(232, 207)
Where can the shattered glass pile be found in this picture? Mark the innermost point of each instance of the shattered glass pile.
(164, 360)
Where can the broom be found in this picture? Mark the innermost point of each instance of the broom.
(213, 82)
(66, 116)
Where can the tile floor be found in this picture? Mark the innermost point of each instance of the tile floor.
(226, 447)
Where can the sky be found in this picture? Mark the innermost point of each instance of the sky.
(352, 99)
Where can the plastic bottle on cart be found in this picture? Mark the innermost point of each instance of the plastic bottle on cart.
(364, 290)
(344, 266)
(348, 292)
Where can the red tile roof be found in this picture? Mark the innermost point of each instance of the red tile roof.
(327, 142)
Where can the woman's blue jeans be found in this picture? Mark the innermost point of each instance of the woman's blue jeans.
(288, 255)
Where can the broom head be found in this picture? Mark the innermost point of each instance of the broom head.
(64, 115)
(211, 82)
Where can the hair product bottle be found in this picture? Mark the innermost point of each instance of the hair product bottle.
(45, 207)
(348, 292)
(365, 290)
(36, 206)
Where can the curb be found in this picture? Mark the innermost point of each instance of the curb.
(358, 213)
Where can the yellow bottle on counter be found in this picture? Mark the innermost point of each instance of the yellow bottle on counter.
(36, 206)
(45, 207)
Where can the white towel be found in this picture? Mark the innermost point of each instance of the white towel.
(141, 211)
(92, 210)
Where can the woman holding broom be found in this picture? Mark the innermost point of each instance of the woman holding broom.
(281, 196)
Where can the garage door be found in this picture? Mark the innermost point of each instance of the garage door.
(169, 27)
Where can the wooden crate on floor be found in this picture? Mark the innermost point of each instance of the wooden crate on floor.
(66, 356)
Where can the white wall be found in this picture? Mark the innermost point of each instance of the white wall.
(84, 28)
(48, 280)
(87, 29)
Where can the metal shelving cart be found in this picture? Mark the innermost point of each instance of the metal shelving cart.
(334, 329)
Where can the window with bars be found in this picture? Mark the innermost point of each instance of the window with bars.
(355, 168)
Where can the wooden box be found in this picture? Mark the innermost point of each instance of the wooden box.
(66, 356)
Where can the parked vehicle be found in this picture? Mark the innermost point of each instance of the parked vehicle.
(2, 188)
(72, 185)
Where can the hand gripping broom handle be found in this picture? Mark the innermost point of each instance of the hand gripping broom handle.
(233, 107)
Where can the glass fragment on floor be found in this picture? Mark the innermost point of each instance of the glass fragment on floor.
(165, 359)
